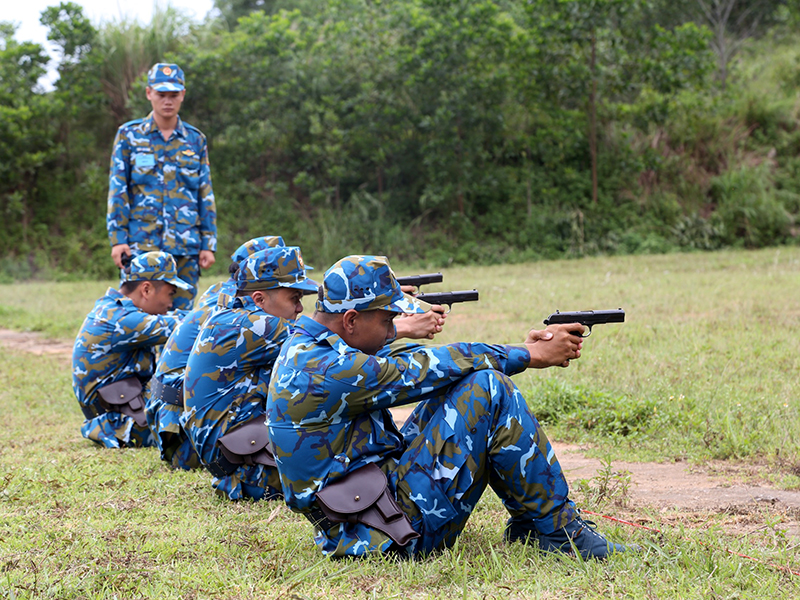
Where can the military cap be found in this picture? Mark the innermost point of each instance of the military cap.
(164, 77)
(250, 247)
(365, 283)
(281, 266)
(154, 266)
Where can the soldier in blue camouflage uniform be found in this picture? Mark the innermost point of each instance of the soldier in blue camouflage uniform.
(159, 193)
(328, 417)
(164, 395)
(117, 343)
(228, 371)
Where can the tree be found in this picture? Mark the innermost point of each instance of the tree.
(27, 140)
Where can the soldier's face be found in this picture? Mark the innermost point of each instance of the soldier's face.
(157, 297)
(285, 303)
(165, 104)
(372, 329)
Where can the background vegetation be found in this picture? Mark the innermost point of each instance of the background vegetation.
(703, 368)
(436, 131)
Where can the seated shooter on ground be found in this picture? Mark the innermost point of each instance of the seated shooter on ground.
(114, 353)
(339, 454)
(228, 372)
(164, 395)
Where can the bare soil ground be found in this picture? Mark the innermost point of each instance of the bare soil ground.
(676, 492)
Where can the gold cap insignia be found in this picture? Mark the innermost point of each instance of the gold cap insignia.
(167, 71)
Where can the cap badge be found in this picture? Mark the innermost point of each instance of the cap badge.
(167, 71)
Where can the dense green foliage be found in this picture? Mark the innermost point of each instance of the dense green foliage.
(435, 131)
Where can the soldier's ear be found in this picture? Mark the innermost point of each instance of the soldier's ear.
(349, 319)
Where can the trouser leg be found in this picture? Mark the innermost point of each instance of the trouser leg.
(189, 271)
(479, 432)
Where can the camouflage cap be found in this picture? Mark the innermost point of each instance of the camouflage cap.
(365, 283)
(250, 247)
(155, 266)
(164, 77)
(281, 266)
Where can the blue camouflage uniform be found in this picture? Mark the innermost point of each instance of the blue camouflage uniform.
(118, 341)
(160, 195)
(229, 368)
(328, 416)
(162, 416)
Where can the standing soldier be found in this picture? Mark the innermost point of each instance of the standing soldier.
(164, 396)
(114, 353)
(159, 193)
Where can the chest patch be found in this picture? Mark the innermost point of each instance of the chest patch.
(144, 160)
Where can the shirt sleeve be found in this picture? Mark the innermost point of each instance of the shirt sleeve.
(395, 377)
(119, 204)
(263, 335)
(136, 329)
(207, 205)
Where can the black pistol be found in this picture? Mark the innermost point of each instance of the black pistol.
(449, 298)
(418, 280)
(589, 318)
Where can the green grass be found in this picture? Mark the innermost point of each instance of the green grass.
(704, 367)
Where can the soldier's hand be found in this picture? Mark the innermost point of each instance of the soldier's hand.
(424, 326)
(554, 346)
(206, 259)
(118, 251)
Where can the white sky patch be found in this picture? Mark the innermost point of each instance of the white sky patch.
(26, 16)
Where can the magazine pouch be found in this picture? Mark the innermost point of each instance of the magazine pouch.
(248, 444)
(363, 496)
(124, 396)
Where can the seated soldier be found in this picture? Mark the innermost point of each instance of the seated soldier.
(164, 395)
(114, 354)
(368, 487)
(228, 372)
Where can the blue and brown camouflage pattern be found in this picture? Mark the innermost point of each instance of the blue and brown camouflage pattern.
(164, 419)
(117, 340)
(160, 195)
(327, 414)
(225, 385)
(166, 77)
(154, 266)
(250, 247)
(280, 266)
(365, 283)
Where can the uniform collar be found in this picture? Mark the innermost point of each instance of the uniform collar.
(233, 301)
(149, 125)
(317, 330)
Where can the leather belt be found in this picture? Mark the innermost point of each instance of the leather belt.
(318, 519)
(222, 467)
(167, 393)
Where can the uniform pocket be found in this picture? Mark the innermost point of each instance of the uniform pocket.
(188, 170)
(433, 504)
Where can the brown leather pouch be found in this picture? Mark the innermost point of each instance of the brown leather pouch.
(248, 444)
(363, 496)
(124, 396)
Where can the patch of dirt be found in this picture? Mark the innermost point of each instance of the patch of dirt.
(693, 491)
(20, 341)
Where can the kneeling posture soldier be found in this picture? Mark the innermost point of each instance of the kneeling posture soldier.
(228, 372)
(164, 395)
(369, 487)
(114, 354)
